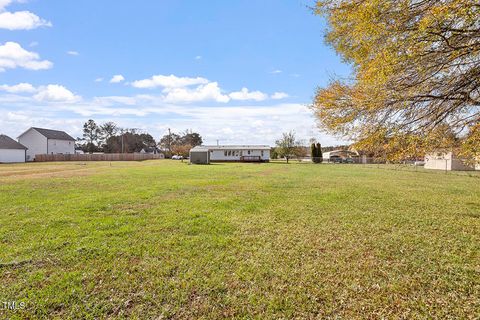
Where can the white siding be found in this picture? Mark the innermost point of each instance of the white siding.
(39, 144)
(61, 147)
(35, 142)
(236, 154)
(445, 161)
(12, 155)
(438, 161)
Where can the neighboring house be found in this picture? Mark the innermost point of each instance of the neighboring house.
(447, 160)
(232, 153)
(151, 150)
(46, 141)
(11, 151)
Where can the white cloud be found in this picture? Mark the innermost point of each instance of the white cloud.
(170, 81)
(55, 93)
(196, 89)
(99, 80)
(12, 56)
(115, 100)
(198, 57)
(245, 94)
(33, 44)
(117, 78)
(260, 124)
(209, 91)
(276, 71)
(18, 88)
(4, 3)
(73, 53)
(57, 107)
(20, 20)
(279, 95)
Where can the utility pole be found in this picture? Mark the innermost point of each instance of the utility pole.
(122, 138)
(169, 142)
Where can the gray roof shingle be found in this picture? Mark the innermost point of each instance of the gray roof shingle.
(54, 134)
(8, 143)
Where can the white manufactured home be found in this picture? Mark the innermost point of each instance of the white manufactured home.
(448, 161)
(230, 153)
(46, 141)
(11, 151)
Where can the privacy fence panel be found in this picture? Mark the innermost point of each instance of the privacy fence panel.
(97, 157)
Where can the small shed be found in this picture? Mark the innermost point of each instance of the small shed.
(448, 161)
(199, 155)
(11, 151)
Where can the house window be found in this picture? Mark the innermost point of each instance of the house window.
(241, 153)
(262, 153)
(248, 151)
(225, 153)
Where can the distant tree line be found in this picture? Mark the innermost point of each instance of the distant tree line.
(179, 143)
(111, 138)
(289, 147)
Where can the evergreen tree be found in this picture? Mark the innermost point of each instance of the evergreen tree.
(313, 151)
(319, 152)
(91, 136)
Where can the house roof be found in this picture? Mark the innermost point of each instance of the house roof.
(54, 134)
(337, 152)
(233, 147)
(8, 143)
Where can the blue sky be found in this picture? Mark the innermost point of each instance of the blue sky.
(238, 71)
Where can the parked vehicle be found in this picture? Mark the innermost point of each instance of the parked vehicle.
(177, 157)
(335, 159)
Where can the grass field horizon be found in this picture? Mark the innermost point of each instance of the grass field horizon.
(164, 239)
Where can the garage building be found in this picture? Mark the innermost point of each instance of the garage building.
(11, 151)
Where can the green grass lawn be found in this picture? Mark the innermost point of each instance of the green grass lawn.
(163, 239)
